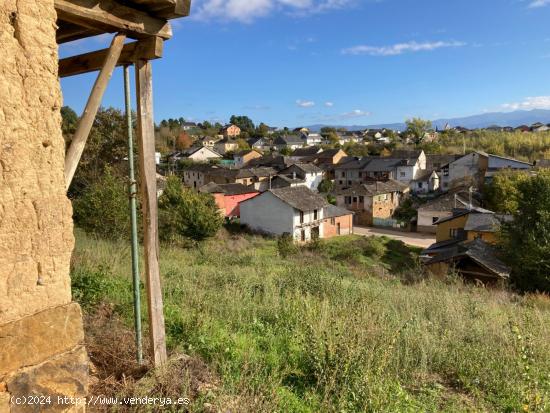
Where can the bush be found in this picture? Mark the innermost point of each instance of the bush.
(185, 213)
(374, 248)
(286, 246)
(325, 186)
(103, 208)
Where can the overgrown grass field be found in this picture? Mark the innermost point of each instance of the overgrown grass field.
(347, 325)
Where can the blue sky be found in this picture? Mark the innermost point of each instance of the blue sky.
(302, 62)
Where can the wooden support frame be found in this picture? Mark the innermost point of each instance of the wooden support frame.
(146, 49)
(110, 16)
(90, 111)
(147, 169)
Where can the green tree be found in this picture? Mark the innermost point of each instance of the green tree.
(325, 186)
(526, 240)
(103, 207)
(417, 128)
(502, 194)
(69, 121)
(286, 151)
(186, 213)
(243, 122)
(262, 130)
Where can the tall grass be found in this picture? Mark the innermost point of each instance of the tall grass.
(323, 331)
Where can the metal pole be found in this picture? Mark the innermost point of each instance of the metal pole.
(133, 215)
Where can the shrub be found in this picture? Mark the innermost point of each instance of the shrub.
(103, 208)
(325, 186)
(373, 247)
(183, 212)
(286, 246)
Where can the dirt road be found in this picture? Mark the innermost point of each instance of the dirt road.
(412, 238)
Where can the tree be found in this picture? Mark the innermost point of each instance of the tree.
(502, 194)
(286, 151)
(526, 240)
(183, 141)
(262, 130)
(243, 122)
(103, 207)
(325, 186)
(107, 146)
(417, 128)
(184, 212)
(69, 121)
(243, 144)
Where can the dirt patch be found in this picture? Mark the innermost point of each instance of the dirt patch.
(116, 373)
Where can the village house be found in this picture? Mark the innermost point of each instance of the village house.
(311, 139)
(242, 158)
(306, 154)
(464, 243)
(259, 144)
(296, 211)
(476, 168)
(291, 142)
(337, 221)
(287, 181)
(311, 175)
(230, 131)
(208, 141)
(229, 196)
(195, 154)
(431, 212)
(226, 145)
(263, 177)
(374, 203)
(425, 183)
(186, 126)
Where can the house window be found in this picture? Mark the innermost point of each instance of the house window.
(453, 232)
(354, 199)
(361, 199)
(333, 221)
(303, 235)
(301, 217)
(435, 219)
(347, 200)
(315, 213)
(343, 174)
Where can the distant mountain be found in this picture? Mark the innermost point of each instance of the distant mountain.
(484, 120)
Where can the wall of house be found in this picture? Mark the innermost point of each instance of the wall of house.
(267, 213)
(194, 179)
(425, 220)
(203, 155)
(308, 224)
(468, 170)
(232, 203)
(313, 180)
(384, 205)
(41, 334)
(330, 226)
(489, 237)
(443, 232)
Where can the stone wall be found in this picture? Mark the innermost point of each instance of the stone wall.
(41, 336)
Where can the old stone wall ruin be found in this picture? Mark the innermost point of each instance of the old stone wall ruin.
(41, 335)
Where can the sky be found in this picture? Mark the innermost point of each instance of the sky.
(342, 62)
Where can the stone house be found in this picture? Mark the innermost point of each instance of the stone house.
(373, 200)
(226, 145)
(425, 182)
(195, 154)
(441, 207)
(297, 211)
(292, 142)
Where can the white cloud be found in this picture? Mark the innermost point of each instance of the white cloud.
(400, 48)
(329, 104)
(248, 10)
(305, 103)
(533, 102)
(539, 3)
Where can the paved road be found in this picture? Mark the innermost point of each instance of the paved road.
(412, 238)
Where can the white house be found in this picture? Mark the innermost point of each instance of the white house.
(426, 182)
(295, 210)
(201, 154)
(312, 139)
(467, 170)
(310, 173)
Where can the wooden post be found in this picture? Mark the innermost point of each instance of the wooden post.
(148, 174)
(90, 111)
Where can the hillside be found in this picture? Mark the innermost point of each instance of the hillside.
(484, 120)
(344, 325)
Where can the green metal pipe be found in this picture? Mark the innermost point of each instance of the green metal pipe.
(133, 216)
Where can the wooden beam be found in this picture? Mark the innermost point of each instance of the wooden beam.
(90, 111)
(110, 16)
(67, 32)
(147, 49)
(168, 9)
(148, 174)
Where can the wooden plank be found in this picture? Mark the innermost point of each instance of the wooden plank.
(67, 32)
(168, 9)
(90, 111)
(148, 174)
(146, 49)
(110, 16)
